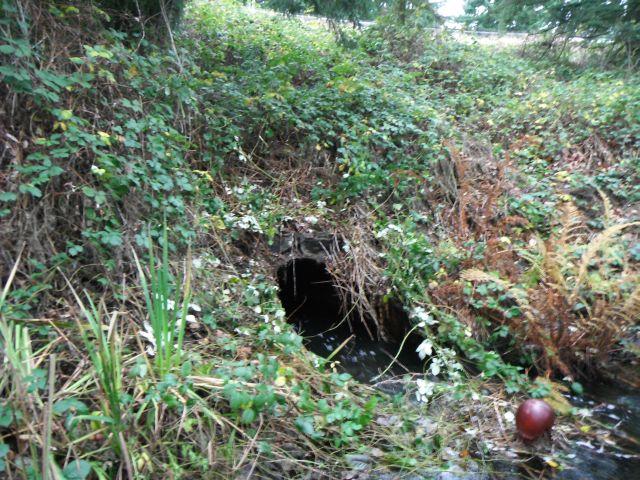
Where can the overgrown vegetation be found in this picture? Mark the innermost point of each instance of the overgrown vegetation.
(494, 196)
(607, 25)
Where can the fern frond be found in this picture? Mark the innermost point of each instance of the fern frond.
(477, 275)
(608, 208)
(535, 329)
(631, 307)
(519, 294)
(594, 246)
(572, 224)
(555, 264)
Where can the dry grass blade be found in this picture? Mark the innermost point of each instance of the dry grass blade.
(358, 275)
(476, 275)
(7, 286)
(48, 420)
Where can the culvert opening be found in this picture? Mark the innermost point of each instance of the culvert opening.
(334, 330)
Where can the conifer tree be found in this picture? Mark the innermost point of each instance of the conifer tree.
(354, 10)
(613, 21)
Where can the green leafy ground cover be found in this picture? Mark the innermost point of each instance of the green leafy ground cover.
(493, 195)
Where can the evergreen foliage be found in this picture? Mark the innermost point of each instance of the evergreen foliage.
(356, 10)
(335, 9)
(616, 21)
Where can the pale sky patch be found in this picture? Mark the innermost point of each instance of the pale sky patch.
(451, 8)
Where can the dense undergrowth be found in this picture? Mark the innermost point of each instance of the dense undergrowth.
(493, 195)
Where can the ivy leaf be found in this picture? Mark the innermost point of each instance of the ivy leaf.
(8, 197)
(74, 249)
(63, 406)
(7, 415)
(237, 399)
(248, 415)
(111, 238)
(105, 137)
(305, 425)
(4, 449)
(30, 189)
(138, 370)
(77, 470)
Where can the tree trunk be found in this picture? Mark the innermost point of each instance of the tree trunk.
(401, 7)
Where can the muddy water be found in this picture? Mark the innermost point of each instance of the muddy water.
(613, 407)
(314, 307)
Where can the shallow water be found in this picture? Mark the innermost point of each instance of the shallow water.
(363, 358)
(615, 407)
(313, 306)
(316, 310)
(619, 409)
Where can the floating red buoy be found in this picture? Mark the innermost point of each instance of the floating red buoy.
(534, 417)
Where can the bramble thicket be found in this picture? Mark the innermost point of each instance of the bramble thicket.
(153, 153)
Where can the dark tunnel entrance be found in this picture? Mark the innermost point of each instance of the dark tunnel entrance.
(314, 307)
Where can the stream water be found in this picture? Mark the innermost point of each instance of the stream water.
(619, 409)
(363, 358)
(615, 407)
(314, 308)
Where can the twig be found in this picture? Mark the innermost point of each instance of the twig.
(125, 455)
(340, 347)
(46, 441)
(173, 43)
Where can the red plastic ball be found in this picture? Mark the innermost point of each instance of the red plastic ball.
(534, 418)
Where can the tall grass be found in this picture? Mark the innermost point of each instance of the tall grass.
(16, 346)
(18, 359)
(167, 306)
(106, 354)
(15, 342)
(105, 351)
